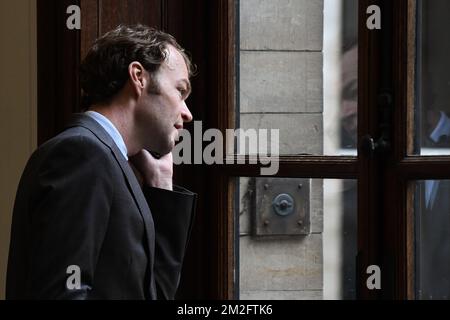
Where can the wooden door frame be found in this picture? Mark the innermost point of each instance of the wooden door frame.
(385, 182)
(405, 169)
(363, 168)
(57, 67)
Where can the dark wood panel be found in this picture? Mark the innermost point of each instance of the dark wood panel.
(115, 12)
(58, 62)
(296, 167)
(223, 21)
(369, 184)
(189, 21)
(395, 197)
(206, 30)
(426, 167)
(89, 25)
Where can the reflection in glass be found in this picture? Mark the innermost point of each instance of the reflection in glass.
(297, 238)
(432, 129)
(432, 237)
(349, 77)
(298, 73)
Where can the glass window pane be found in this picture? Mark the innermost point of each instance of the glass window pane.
(298, 73)
(297, 238)
(432, 237)
(432, 119)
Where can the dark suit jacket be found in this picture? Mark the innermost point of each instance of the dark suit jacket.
(79, 203)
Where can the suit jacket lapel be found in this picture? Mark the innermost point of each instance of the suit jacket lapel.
(136, 191)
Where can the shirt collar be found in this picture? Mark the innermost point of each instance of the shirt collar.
(442, 128)
(110, 129)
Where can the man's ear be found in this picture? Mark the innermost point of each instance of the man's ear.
(138, 77)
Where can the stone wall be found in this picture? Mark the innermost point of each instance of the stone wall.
(281, 62)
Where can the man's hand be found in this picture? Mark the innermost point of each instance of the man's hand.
(151, 171)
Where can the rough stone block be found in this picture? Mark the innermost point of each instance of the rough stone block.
(281, 24)
(281, 82)
(298, 133)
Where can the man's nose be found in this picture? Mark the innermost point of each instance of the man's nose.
(185, 113)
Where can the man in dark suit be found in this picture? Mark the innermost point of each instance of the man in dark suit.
(96, 215)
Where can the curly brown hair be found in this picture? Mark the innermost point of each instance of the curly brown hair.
(104, 70)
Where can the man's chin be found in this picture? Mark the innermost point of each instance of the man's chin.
(171, 146)
(163, 150)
